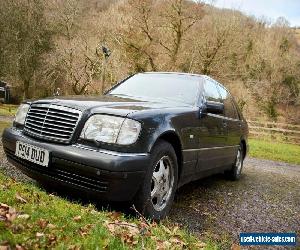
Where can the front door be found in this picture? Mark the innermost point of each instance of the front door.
(212, 132)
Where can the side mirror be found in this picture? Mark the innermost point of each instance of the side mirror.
(212, 107)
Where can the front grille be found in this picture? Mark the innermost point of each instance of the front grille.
(51, 122)
(61, 174)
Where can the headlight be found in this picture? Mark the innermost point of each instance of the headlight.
(21, 113)
(111, 129)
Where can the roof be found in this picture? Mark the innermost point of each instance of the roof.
(174, 73)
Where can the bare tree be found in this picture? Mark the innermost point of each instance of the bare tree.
(177, 18)
(29, 38)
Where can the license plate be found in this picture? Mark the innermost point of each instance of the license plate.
(32, 153)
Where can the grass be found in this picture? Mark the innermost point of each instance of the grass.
(8, 109)
(31, 218)
(276, 151)
(4, 125)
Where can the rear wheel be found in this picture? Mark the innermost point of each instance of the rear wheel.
(156, 195)
(236, 170)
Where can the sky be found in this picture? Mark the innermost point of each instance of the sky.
(272, 9)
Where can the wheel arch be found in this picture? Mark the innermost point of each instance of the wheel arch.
(245, 147)
(172, 138)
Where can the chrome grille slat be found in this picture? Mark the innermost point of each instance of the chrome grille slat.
(59, 126)
(34, 129)
(29, 124)
(59, 130)
(29, 120)
(67, 115)
(55, 134)
(59, 117)
(36, 117)
(39, 110)
(66, 123)
(51, 122)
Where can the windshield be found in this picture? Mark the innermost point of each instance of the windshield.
(179, 88)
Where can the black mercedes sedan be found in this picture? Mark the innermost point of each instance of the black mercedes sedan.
(147, 136)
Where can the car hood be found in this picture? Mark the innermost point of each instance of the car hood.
(109, 104)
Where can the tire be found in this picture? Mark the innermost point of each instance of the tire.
(236, 170)
(156, 194)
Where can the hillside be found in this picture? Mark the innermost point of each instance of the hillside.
(257, 60)
(297, 35)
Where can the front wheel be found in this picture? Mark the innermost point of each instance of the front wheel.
(236, 170)
(156, 195)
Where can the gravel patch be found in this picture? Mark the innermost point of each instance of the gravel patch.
(9, 170)
(265, 199)
(6, 118)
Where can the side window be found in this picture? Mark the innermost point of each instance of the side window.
(211, 92)
(230, 109)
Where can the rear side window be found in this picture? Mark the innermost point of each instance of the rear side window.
(211, 92)
(229, 106)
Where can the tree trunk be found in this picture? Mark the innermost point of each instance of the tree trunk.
(26, 84)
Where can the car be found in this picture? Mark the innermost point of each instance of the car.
(143, 139)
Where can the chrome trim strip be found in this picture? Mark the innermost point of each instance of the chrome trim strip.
(109, 152)
(223, 117)
(104, 151)
(204, 149)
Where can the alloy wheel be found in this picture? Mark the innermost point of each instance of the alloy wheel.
(162, 183)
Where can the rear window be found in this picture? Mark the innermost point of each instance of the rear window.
(229, 106)
(211, 92)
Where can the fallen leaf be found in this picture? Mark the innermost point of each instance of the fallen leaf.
(83, 231)
(42, 223)
(20, 198)
(177, 241)
(175, 229)
(73, 247)
(3, 205)
(144, 228)
(18, 247)
(51, 226)
(24, 216)
(235, 247)
(199, 245)
(93, 211)
(167, 230)
(11, 215)
(115, 215)
(39, 235)
(52, 239)
(17, 228)
(4, 245)
(77, 218)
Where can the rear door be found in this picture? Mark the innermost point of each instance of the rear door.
(231, 117)
(212, 131)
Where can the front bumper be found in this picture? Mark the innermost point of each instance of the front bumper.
(104, 174)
